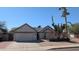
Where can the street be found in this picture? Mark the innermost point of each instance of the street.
(66, 49)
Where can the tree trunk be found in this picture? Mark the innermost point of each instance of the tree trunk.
(66, 24)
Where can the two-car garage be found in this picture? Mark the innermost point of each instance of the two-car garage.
(25, 37)
(25, 33)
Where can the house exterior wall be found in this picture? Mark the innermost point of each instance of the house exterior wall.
(41, 35)
(46, 35)
(5, 37)
(49, 34)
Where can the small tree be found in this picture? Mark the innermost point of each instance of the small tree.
(75, 28)
(58, 28)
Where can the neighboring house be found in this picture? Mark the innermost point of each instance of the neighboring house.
(3, 35)
(25, 33)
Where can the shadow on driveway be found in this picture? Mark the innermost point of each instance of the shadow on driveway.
(37, 41)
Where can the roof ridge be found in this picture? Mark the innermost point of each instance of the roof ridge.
(24, 25)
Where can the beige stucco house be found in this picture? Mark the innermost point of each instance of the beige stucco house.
(28, 33)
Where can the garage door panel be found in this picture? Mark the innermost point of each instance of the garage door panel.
(25, 36)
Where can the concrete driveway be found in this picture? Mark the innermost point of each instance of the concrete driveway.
(29, 46)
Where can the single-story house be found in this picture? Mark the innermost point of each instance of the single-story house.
(25, 33)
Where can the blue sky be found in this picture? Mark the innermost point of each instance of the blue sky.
(35, 16)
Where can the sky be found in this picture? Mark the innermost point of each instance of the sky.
(35, 16)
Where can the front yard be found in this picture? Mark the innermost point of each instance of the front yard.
(29, 46)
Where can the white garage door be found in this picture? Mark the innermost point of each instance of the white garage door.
(25, 36)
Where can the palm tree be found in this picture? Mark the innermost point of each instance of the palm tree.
(57, 27)
(64, 14)
(54, 25)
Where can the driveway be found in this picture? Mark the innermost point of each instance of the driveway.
(29, 46)
(4, 45)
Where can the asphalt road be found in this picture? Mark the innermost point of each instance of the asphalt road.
(65, 49)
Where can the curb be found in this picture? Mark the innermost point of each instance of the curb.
(64, 47)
